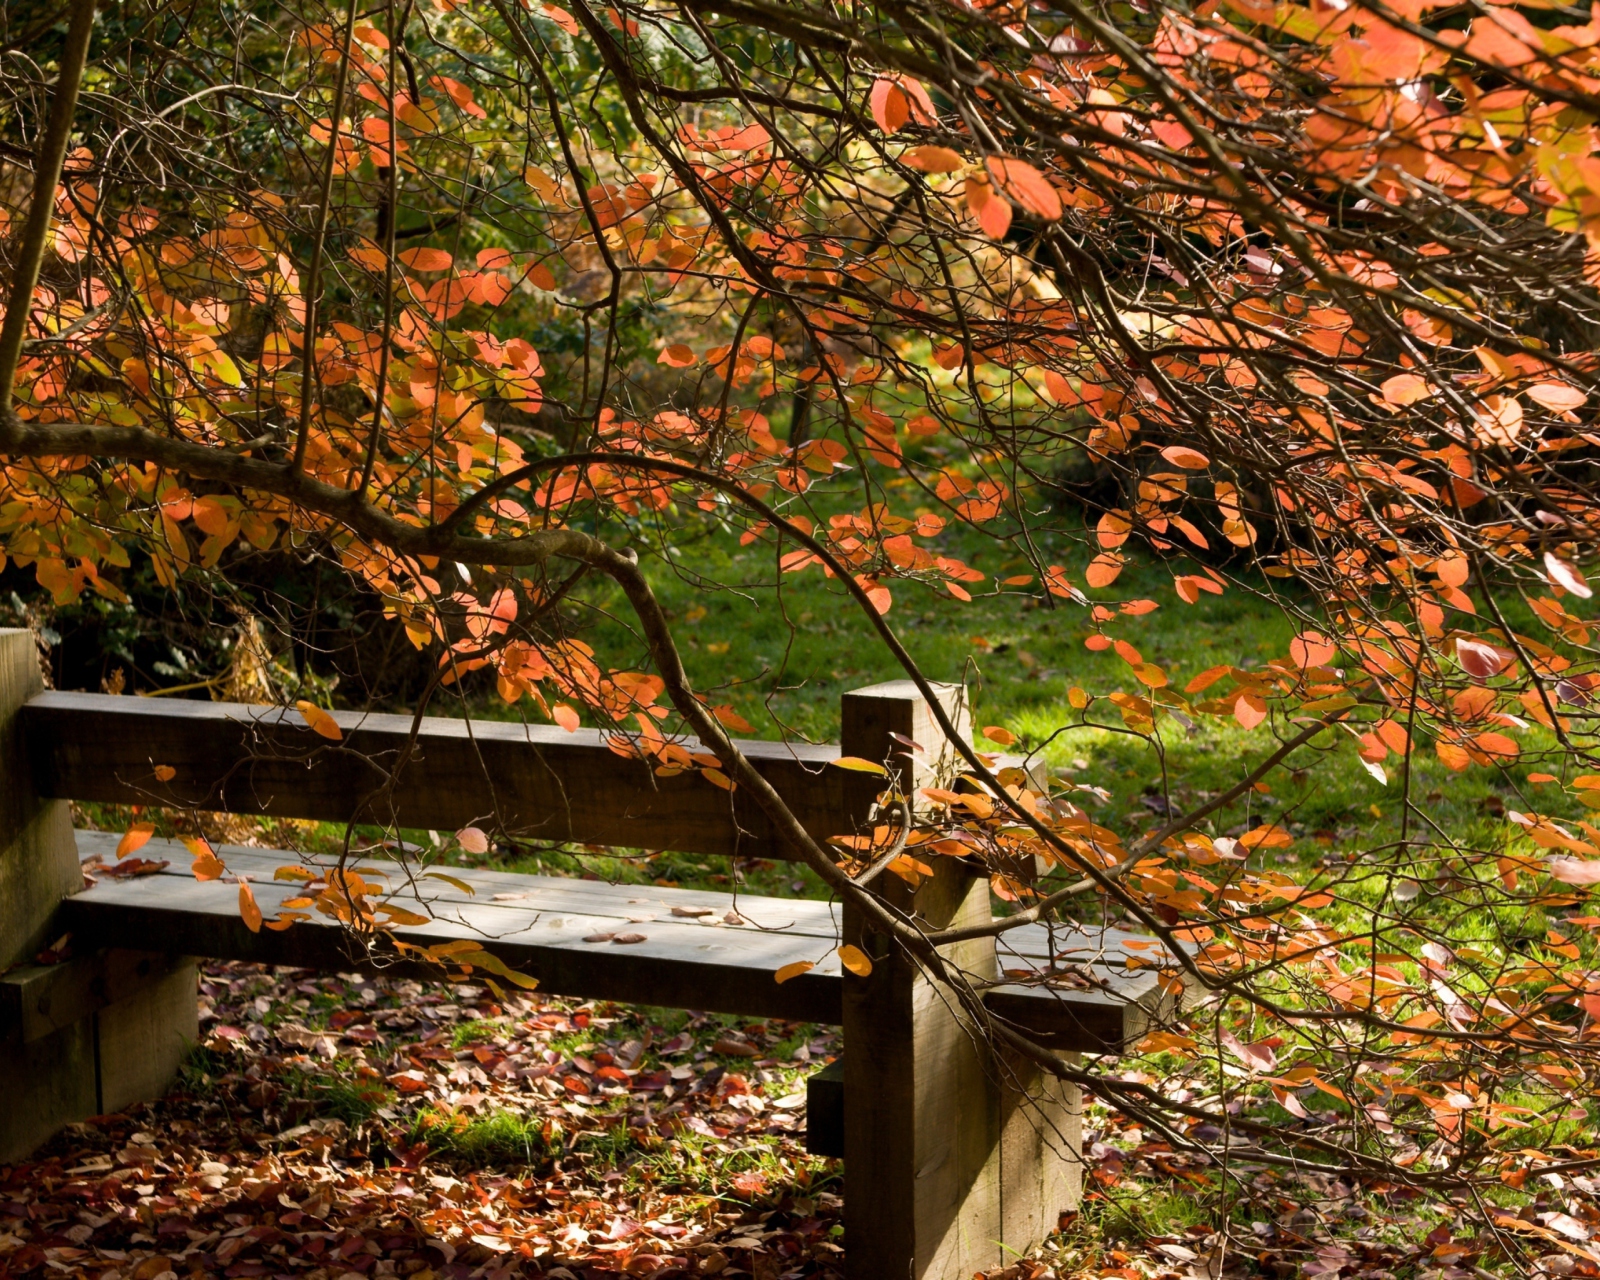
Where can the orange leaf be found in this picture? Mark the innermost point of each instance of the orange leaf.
(993, 212)
(677, 356)
(1497, 744)
(996, 734)
(731, 719)
(1207, 678)
(426, 259)
(934, 159)
(1556, 396)
(319, 720)
(1026, 185)
(1103, 569)
(565, 716)
(1311, 649)
(165, 773)
(855, 960)
(1249, 709)
(206, 864)
(1404, 389)
(136, 838)
(1454, 758)
(793, 970)
(1189, 459)
(248, 911)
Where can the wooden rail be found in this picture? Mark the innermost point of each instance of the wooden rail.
(539, 781)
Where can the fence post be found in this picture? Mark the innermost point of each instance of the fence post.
(951, 1151)
(100, 1031)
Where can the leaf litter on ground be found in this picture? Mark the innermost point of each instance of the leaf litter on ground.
(350, 1126)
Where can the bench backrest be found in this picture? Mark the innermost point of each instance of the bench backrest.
(538, 781)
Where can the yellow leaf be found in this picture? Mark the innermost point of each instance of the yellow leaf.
(451, 880)
(319, 720)
(793, 970)
(856, 960)
(483, 960)
(400, 915)
(858, 765)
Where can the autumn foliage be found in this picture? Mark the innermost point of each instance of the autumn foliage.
(468, 297)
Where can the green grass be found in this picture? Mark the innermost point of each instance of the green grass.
(501, 1139)
(335, 1094)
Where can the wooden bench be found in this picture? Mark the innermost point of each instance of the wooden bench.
(949, 1152)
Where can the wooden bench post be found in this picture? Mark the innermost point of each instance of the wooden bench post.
(100, 1031)
(954, 1155)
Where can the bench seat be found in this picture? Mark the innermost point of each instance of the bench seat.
(690, 955)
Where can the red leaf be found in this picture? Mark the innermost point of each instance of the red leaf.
(891, 107)
(1481, 661)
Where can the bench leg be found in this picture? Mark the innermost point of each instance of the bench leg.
(955, 1155)
(121, 1021)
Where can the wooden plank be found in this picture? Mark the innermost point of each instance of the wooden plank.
(539, 782)
(36, 864)
(681, 965)
(687, 963)
(49, 1081)
(542, 783)
(142, 1039)
(39, 1000)
(534, 892)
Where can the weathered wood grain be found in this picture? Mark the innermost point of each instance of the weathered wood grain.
(537, 925)
(535, 782)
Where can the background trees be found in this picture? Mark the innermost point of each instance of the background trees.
(470, 316)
